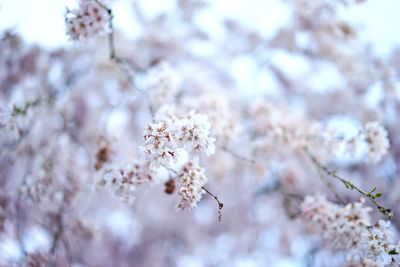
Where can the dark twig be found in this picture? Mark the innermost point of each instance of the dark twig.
(110, 28)
(220, 204)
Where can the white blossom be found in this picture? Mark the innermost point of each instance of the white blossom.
(379, 241)
(125, 179)
(377, 139)
(88, 20)
(160, 147)
(164, 140)
(342, 226)
(193, 134)
(349, 228)
(191, 180)
(221, 113)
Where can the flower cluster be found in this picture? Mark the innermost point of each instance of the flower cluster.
(278, 125)
(88, 20)
(164, 140)
(191, 179)
(160, 146)
(193, 134)
(377, 139)
(224, 118)
(125, 179)
(343, 226)
(349, 227)
(380, 241)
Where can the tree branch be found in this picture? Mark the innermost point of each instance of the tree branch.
(350, 185)
(220, 204)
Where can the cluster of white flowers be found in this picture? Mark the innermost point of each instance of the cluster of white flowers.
(163, 83)
(88, 20)
(343, 226)
(165, 139)
(125, 179)
(381, 240)
(191, 179)
(224, 118)
(160, 145)
(377, 139)
(349, 228)
(193, 134)
(278, 126)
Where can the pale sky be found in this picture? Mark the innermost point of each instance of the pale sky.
(41, 21)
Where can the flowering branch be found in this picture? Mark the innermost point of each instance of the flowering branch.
(350, 185)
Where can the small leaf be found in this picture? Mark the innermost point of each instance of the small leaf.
(373, 190)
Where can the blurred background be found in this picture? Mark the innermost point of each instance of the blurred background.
(233, 52)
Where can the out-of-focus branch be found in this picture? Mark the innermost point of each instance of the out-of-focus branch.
(122, 63)
(350, 185)
(236, 155)
(59, 236)
(331, 187)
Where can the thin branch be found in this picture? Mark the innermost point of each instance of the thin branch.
(331, 187)
(110, 28)
(126, 70)
(67, 247)
(236, 155)
(349, 185)
(170, 169)
(121, 63)
(59, 236)
(220, 204)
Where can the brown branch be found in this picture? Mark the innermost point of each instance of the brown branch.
(220, 204)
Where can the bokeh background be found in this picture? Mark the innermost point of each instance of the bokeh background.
(253, 232)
